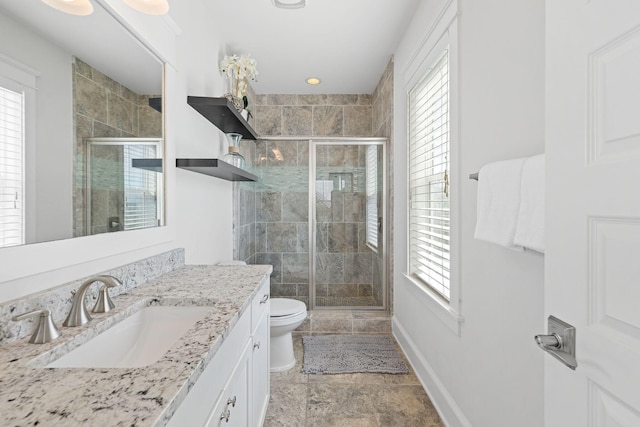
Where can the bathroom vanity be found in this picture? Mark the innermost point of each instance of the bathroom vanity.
(216, 373)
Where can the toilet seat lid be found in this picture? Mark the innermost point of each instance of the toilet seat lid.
(286, 307)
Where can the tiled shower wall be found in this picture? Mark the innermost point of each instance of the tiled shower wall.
(104, 108)
(382, 99)
(271, 216)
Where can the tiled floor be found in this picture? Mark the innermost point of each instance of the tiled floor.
(349, 400)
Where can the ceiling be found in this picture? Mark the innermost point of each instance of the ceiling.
(97, 39)
(345, 43)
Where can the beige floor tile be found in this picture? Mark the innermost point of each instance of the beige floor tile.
(370, 314)
(409, 403)
(358, 379)
(332, 324)
(346, 400)
(287, 406)
(333, 314)
(338, 420)
(372, 326)
(337, 401)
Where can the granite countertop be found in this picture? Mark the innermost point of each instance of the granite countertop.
(33, 395)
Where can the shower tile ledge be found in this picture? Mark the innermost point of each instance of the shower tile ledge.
(146, 396)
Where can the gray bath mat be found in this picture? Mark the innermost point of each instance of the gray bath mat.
(347, 354)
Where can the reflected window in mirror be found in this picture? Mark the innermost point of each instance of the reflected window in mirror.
(124, 184)
(17, 97)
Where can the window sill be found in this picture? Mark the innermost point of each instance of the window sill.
(437, 305)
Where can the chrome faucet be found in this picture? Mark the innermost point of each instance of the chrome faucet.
(78, 315)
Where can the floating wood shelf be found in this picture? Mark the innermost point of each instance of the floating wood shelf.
(216, 168)
(154, 165)
(222, 113)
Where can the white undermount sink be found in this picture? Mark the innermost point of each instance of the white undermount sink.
(139, 340)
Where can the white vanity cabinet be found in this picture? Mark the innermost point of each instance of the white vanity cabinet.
(259, 390)
(233, 390)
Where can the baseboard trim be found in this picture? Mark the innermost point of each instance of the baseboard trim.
(449, 411)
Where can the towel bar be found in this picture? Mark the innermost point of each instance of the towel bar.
(474, 176)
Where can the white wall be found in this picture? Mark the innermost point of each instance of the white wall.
(490, 373)
(203, 203)
(49, 187)
(198, 207)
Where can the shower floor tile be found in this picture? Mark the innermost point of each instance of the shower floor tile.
(351, 400)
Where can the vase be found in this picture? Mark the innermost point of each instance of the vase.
(231, 91)
(233, 157)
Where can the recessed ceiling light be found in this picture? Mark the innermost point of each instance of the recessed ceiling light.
(72, 7)
(150, 7)
(313, 81)
(288, 4)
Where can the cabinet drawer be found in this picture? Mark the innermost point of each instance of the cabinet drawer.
(196, 406)
(260, 305)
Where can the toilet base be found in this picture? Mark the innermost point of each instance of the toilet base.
(281, 353)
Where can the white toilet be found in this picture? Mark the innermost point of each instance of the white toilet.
(286, 315)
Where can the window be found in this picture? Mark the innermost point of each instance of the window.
(140, 189)
(372, 195)
(428, 109)
(11, 167)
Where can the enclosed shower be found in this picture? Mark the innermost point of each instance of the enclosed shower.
(318, 215)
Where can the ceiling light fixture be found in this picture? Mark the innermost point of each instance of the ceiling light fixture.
(288, 4)
(72, 7)
(84, 7)
(150, 7)
(313, 81)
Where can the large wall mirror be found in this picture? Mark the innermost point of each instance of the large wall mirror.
(81, 126)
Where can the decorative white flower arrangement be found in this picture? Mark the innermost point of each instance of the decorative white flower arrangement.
(239, 69)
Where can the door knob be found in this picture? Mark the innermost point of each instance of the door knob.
(560, 341)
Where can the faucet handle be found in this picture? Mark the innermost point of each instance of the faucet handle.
(46, 331)
(104, 302)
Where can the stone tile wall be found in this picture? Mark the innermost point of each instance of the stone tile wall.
(104, 108)
(313, 115)
(282, 215)
(271, 216)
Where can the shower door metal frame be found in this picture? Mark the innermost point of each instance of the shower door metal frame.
(313, 143)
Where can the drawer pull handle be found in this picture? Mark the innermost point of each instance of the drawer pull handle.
(232, 402)
(264, 299)
(256, 345)
(225, 415)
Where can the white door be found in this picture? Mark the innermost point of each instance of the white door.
(593, 209)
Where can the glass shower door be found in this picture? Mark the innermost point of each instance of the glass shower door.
(348, 224)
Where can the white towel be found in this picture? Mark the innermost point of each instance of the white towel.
(499, 202)
(530, 228)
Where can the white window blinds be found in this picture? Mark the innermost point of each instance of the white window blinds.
(11, 168)
(372, 195)
(428, 179)
(141, 189)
